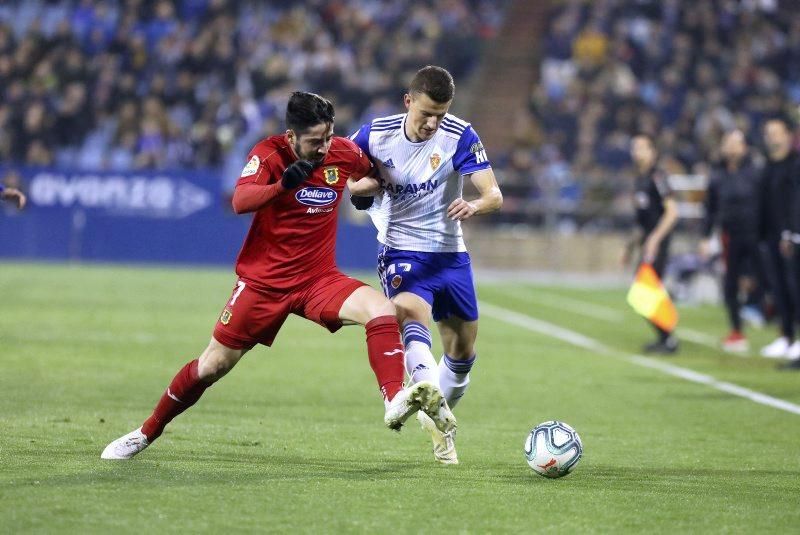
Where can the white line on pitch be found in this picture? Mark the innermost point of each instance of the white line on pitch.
(698, 337)
(584, 308)
(571, 337)
(603, 313)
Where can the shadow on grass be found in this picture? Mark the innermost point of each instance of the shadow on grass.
(180, 470)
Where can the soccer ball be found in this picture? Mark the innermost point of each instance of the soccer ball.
(552, 449)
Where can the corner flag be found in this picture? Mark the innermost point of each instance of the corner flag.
(648, 297)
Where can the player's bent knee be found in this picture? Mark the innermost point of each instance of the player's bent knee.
(374, 304)
(383, 307)
(411, 307)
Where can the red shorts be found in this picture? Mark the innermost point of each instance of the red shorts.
(254, 316)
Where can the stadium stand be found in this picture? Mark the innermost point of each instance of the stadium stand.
(194, 83)
(683, 72)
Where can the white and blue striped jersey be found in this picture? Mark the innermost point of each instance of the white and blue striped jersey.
(419, 181)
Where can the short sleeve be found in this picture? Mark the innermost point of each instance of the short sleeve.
(363, 165)
(470, 155)
(361, 138)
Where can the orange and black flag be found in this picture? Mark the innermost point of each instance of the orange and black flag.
(648, 297)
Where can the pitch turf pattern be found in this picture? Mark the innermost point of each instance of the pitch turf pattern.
(292, 440)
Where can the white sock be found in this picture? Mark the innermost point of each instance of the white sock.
(420, 364)
(454, 378)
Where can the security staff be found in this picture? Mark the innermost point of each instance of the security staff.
(656, 216)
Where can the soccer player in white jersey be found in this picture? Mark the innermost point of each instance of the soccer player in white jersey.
(416, 203)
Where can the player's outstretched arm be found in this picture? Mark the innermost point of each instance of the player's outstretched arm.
(13, 195)
(490, 199)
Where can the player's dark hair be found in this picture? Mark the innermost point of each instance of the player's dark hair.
(306, 110)
(435, 82)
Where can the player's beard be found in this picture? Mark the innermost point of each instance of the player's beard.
(315, 159)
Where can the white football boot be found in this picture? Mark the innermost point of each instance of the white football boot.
(778, 349)
(444, 444)
(423, 396)
(126, 446)
(439, 412)
(793, 353)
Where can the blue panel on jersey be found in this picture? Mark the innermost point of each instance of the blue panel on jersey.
(361, 138)
(470, 155)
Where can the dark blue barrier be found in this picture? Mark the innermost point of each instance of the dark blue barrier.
(147, 216)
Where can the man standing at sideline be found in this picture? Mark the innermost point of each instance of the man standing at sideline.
(777, 193)
(423, 157)
(293, 183)
(731, 202)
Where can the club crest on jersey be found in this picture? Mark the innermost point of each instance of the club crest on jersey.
(436, 161)
(226, 316)
(331, 175)
(316, 196)
(397, 280)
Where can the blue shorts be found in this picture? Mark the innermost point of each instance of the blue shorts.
(444, 280)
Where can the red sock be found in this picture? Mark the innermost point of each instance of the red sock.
(183, 392)
(386, 354)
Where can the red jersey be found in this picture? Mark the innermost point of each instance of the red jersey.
(293, 239)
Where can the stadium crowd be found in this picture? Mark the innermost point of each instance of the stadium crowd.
(682, 72)
(188, 83)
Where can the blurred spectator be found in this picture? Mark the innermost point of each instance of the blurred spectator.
(682, 72)
(177, 83)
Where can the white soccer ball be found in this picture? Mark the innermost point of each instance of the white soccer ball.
(553, 449)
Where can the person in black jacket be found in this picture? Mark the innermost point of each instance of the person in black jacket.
(656, 216)
(777, 196)
(732, 204)
(793, 236)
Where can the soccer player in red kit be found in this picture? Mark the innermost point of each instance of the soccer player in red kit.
(294, 183)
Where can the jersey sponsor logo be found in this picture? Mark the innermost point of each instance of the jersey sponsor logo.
(398, 191)
(252, 167)
(316, 196)
(436, 160)
(319, 210)
(331, 175)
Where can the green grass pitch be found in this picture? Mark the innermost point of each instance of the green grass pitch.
(292, 440)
